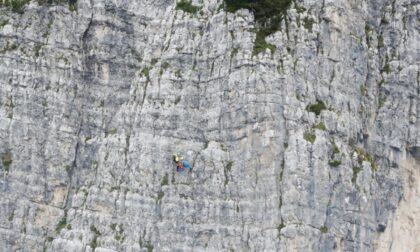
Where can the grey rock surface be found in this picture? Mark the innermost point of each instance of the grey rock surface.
(95, 99)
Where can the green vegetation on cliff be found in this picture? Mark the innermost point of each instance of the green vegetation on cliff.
(268, 15)
(19, 5)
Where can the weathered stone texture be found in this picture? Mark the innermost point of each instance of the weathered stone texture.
(94, 101)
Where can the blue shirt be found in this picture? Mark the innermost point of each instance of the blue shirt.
(186, 164)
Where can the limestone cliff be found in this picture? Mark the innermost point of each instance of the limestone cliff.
(303, 129)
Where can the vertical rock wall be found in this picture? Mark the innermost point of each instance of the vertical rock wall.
(95, 98)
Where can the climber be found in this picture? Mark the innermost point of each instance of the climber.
(180, 166)
(181, 163)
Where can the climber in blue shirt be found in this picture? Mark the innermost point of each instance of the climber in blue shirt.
(182, 165)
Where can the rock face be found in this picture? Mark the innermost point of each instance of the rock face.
(313, 146)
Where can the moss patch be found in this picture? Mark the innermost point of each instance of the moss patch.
(363, 155)
(234, 52)
(164, 67)
(146, 73)
(61, 224)
(94, 242)
(9, 47)
(261, 45)
(299, 9)
(309, 136)
(335, 163)
(149, 246)
(363, 90)
(6, 159)
(72, 5)
(386, 68)
(227, 171)
(320, 126)
(37, 49)
(153, 61)
(316, 107)
(263, 10)
(268, 15)
(356, 170)
(336, 150)
(15, 5)
(160, 196)
(3, 22)
(380, 42)
(308, 23)
(112, 131)
(187, 6)
(368, 31)
(165, 180)
(94, 230)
